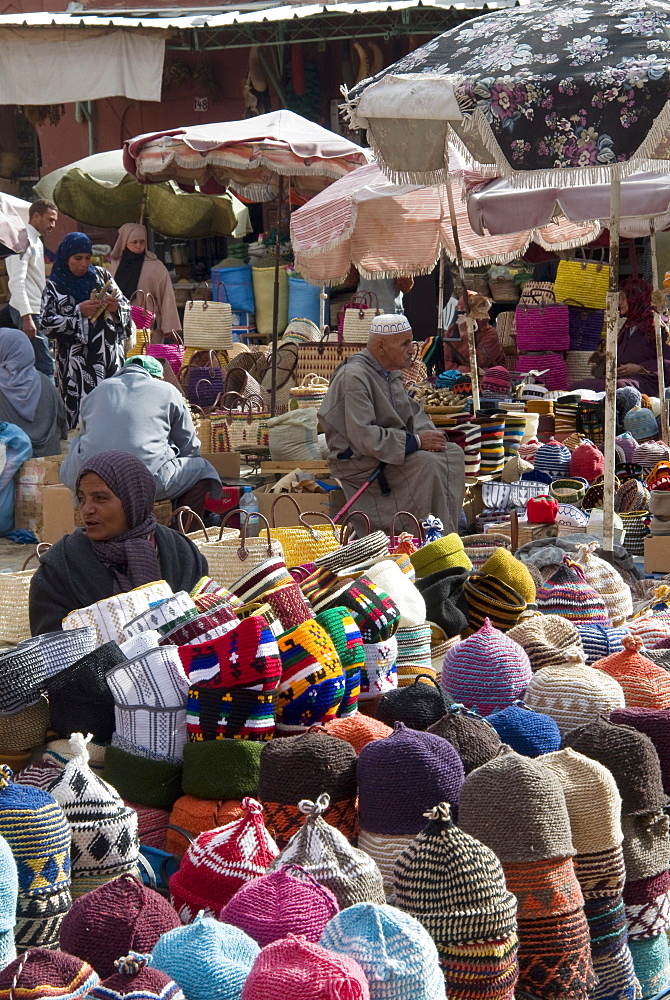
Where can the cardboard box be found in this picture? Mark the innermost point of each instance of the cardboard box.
(287, 516)
(657, 554)
(226, 463)
(40, 471)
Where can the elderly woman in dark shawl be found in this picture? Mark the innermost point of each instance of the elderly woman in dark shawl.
(120, 547)
(90, 341)
(28, 398)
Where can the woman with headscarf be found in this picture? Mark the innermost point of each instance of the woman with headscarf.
(456, 347)
(120, 547)
(137, 269)
(636, 344)
(28, 398)
(90, 332)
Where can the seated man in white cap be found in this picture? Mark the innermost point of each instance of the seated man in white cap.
(368, 418)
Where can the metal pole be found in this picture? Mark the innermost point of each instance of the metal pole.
(470, 323)
(660, 365)
(275, 307)
(440, 298)
(322, 308)
(611, 318)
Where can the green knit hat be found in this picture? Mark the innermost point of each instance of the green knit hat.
(221, 769)
(443, 553)
(151, 365)
(155, 783)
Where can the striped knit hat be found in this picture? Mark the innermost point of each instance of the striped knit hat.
(379, 674)
(295, 969)
(554, 458)
(528, 449)
(133, 978)
(312, 683)
(220, 861)
(44, 973)
(573, 695)
(655, 723)
(549, 640)
(397, 955)
(358, 730)
(645, 684)
(441, 554)
(486, 671)
(455, 887)
(487, 597)
(606, 581)
(590, 790)
(414, 653)
(348, 641)
(474, 738)
(371, 608)
(265, 576)
(567, 593)
(529, 733)
(599, 641)
(503, 565)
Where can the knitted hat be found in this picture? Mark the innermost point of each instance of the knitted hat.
(414, 653)
(514, 793)
(649, 453)
(348, 642)
(358, 730)
(587, 462)
(197, 815)
(627, 443)
(140, 643)
(133, 978)
(302, 767)
(646, 845)
(607, 581)
(162, 615)
(590, 790)
(503, 565)
(396, 953)
(419, 705)
(44, 973)
(528, 449)
(369, 549)
(486, 671)
(645, 684)
(220, 861)
(391, 579)
(371, 608)
(79, 697)
(425, 766)
(655, 723)
(379, 673)
(207, 959)
(474, 738)
(221, 769)
(549, 640)
(599, 641)
(567, 593)
(9, 889)
(631, 758)
(280, 903)
(326, 854)
(653, 630)
(444, 595)
(554, 458)
(488, 597)
(651, 958)
(456, 887)
(114, 919)
(104, 830)
(641, 423)
(140, 779)
(514, 468)
(573, 695)
(246, 655)
(441, 554)
(529, 733)
(312, 680)
(296, 969)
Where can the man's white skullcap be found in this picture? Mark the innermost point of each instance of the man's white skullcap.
(388, 324)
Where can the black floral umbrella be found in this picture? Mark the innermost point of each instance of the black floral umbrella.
(547, 94)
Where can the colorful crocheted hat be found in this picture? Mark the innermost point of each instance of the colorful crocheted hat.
(396, 953)
(645, 684)
(549, 640)
(606, 581)
(599, 641)
(654, 723)
(567, 593)
(45, 973)
(9, 890)
(104, 830)
(511, 571)
(348, 642)
(529, 733)
(351, 875)
(418, 706)
(486, 671)
(134, 979)
(371, 608)
(380, 672)
(116, 918)
(587, 462)
(444, 553)
(414, 653)
(589, 789)
(390, 578)
(474, 738)
(207, 959)
(552, 457)
(302, 767)
(280, 903)
(220, 861)
(574, 695)
(456, 887)
(294, 969)
(312, 683)
(512, 792)
(631, 758)
(425, 766)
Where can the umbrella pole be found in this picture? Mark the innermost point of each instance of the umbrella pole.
(322, 308)
(440, 298)
(275, 306)
(470, 323)
(611, 318)
(665, 429)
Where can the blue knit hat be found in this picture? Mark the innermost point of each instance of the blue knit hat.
(9, 890)
(529, 733)
(207, 959)
(396, 953)
(554, 458)
(641, 423)
(600, 641)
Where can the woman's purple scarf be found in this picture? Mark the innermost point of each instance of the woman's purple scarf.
(132, 557)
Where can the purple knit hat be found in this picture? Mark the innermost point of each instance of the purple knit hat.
(487, 671)
(399, 776)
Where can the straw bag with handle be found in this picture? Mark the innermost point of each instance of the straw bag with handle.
(304, 543)
(143, 313)
(184, 517)
(173, 353)
(287, 363)
(229, 558)
(208, 324)
(324, 356)
(359, 313)
(311, 391)
(14, 592)
(202, 382)
(245, 426)
(584, 281)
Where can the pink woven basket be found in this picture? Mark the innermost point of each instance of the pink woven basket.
(542, 327)
(554, 364)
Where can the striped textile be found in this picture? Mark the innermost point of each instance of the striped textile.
(492, 446)
(515, 424)
(161, 730)
(472, 447)
(488, 597)
(555, 956)
(155, 679)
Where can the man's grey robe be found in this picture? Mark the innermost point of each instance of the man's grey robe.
(366, 415)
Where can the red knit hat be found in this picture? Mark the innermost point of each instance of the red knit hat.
(295, 969)
(220, 861)
(587, 462)
(645, 684)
